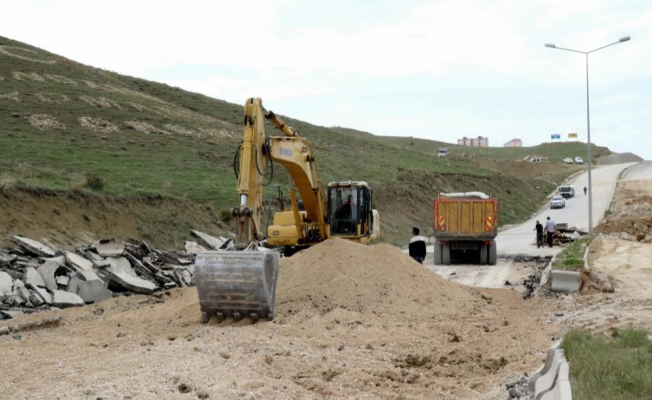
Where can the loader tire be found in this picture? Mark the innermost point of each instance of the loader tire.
(484, 250)
(446, 254)
(493, 253)
(437, 254)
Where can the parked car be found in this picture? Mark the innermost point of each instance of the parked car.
(578, 160)
(442, 152)
(568, 160)
(557, 202)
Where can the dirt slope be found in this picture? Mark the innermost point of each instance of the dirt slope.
(405, 334)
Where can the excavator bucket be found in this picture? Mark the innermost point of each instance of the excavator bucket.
(236, 284)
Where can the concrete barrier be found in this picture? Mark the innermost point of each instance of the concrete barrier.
(551, 381)
(565, 281)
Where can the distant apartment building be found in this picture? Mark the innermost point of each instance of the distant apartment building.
(474, 142)
(514, 143)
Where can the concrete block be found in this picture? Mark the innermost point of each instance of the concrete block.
(47, 271)
(32, 277)
(109, 248)
(33, 246)
(11, 314)
(88, 276)
(565, 281)
(6, 283)
(132, 283)
(77, 262)
(63, 299)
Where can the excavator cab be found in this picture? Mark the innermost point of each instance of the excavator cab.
(350, 214)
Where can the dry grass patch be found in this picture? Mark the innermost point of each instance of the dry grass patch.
(7, 182)
(220, 133)
(13, 96)
(180, 130)
(91, 84)
(61, 79)
(2, 78)
(45, 122)
(98, 125)
(11, 51)
(145, 128)
(33, 76)
(54, 98)
(100, 102)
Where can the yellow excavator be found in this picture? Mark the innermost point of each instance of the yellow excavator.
(241, 281)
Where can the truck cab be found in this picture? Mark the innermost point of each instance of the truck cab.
(567, 191)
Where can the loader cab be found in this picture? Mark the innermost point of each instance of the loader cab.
(349, 209)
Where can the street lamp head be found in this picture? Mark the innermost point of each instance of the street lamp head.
(624, 39)
(553, 46)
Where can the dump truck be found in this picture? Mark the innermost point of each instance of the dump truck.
(465, 228)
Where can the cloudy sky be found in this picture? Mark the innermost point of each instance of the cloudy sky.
(438, 69)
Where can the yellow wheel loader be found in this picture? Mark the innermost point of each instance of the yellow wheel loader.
(241, 281)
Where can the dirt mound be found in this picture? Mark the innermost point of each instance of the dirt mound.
(634, 217)
(379, 279)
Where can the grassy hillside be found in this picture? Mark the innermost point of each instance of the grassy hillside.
(67, 126)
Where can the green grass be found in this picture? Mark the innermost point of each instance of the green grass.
(572, 257)
(199, 167)
(615, 368)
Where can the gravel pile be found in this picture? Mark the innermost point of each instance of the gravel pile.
(618, 158)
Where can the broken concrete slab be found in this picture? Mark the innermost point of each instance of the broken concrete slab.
(565, 281)
(194, 248)
(62, 280)
(33, 246)
(212, 241)
(12, 314)
(6, 258)
(132, 283)
(63, 299)
(120, 264)
(109, 248)
(77, 262)
(14, 274)
(21, 293)
(93, 291)
(32, 277)
(45, 296)
(47, 271)
(6, 283)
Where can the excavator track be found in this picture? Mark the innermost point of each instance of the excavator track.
(236, 284)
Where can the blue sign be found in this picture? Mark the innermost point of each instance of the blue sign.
(555, 136)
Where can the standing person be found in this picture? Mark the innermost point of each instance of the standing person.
(550, 230)
(585, 190)
(417, 246)
(539, 228)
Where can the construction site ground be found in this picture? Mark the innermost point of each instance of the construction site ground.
(352, 322)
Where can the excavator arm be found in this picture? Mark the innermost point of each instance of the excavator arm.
(243, 282)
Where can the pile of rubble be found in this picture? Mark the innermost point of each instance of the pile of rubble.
(34, 276)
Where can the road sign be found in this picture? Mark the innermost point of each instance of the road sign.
(572, 135)
(555, 136)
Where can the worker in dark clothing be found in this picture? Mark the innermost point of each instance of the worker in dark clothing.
(539, 228)
(417, 246)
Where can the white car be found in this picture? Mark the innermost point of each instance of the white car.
(578, 160)
(557, 202)
(568, 160)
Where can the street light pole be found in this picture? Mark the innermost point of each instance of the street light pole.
(588, 119)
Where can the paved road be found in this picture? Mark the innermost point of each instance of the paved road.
(520, 239)
(640, 171)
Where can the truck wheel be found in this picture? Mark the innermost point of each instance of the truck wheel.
(446, 254)
(437, 255)
(493, 253)
(484, 249)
